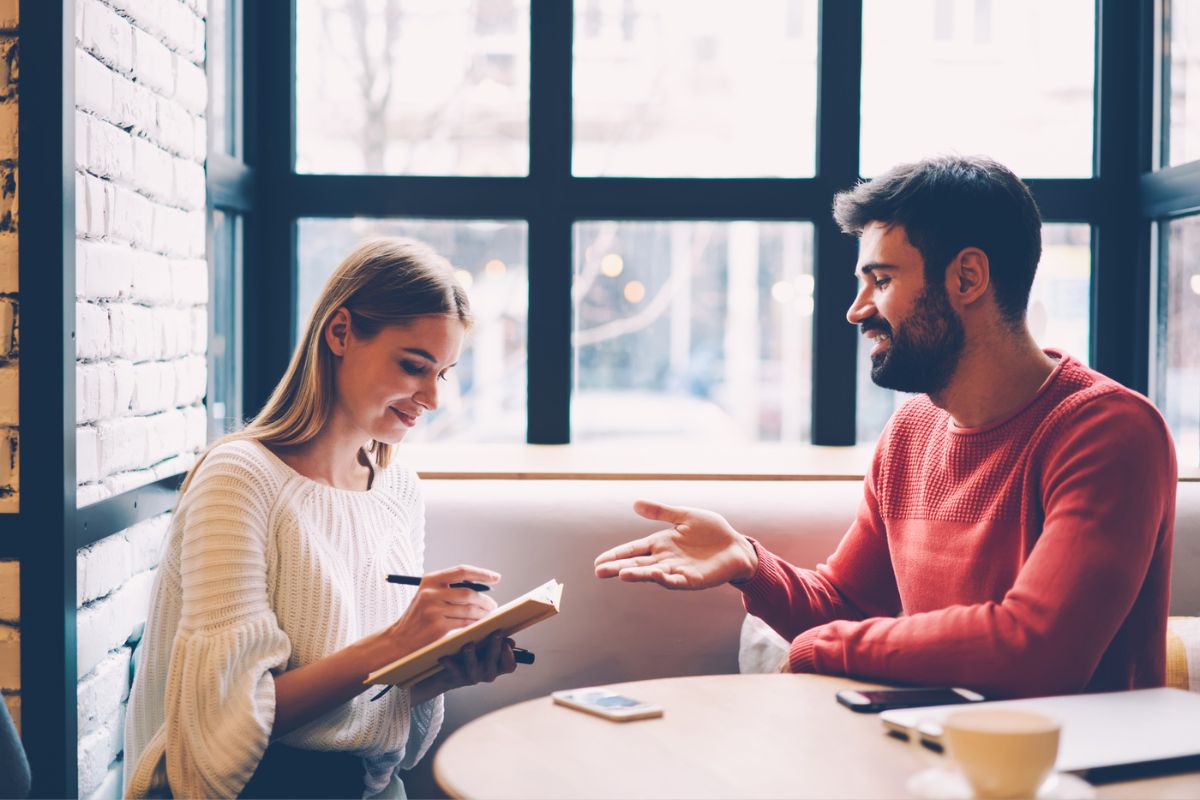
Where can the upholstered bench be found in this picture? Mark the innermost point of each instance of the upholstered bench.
(534, 530)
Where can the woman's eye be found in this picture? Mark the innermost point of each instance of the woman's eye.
(411, 368)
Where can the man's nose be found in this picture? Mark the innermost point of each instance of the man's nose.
(862, 307)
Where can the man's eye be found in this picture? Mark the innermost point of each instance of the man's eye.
(881, 282)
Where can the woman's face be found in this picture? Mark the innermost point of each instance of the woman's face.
(385, 383)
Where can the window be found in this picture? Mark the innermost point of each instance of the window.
(228, 206)
(1182, 82)
(695, 91)
(1179, 329)
(650, 181)
(1058, 317)
(412, 87)
(692, 331)
(1014, 80)
(224, 323)
(483, 399)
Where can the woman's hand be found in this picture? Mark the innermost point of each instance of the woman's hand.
(481, 663)
(437, 609)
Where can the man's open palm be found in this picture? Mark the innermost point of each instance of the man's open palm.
(700, 550)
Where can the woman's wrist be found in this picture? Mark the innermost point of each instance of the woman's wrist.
(379, 649)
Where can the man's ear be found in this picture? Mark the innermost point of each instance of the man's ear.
(337, 331)
(968, 276)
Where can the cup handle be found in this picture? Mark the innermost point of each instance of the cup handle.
(931, 758)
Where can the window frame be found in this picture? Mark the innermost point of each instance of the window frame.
(550, 199)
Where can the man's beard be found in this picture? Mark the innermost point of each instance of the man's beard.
(924, 353)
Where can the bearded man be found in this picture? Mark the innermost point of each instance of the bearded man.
(1016, 524)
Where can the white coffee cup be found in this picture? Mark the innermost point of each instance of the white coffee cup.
(1002, 752)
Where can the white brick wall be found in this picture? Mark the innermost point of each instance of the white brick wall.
(141, 313)
(142, 280)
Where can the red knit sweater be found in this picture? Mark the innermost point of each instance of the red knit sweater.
(1028, 557)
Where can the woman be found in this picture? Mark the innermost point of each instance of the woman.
(271, 604)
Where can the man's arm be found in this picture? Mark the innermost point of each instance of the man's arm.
(1107, 488)
(857, 582)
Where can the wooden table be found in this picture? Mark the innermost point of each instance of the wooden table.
(722, 736)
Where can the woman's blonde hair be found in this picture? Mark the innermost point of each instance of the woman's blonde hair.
(383, 282)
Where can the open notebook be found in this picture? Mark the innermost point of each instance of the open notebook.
(1099, 730)
(516, 615)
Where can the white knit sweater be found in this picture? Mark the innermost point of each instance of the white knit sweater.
(264, 571)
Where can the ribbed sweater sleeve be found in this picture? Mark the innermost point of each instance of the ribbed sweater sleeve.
(220, 692)
(856, 582)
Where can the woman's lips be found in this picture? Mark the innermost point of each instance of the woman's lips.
(408, 421)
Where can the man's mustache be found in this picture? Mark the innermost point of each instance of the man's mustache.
(875, 324)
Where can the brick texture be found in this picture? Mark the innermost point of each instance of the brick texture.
(141, 314)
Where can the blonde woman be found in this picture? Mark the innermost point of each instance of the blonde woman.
(271, 604)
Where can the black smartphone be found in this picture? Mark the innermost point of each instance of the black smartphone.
(868, 700)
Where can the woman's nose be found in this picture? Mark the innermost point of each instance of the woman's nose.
(428, 396)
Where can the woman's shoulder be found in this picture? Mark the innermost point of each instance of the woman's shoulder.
(244, 461)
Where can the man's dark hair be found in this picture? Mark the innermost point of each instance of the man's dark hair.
(949, 203)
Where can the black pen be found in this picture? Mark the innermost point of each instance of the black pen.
(415, 580)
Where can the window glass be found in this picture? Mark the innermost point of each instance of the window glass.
(692, 331)
(483, 399)
(1013, 80)
(1058, 316)
(224, 399)
(1182, 72)
(222, 74)
(414, 87)
(676, 88)
(1179, 329)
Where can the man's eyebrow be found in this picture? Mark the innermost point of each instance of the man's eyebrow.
(866, 269)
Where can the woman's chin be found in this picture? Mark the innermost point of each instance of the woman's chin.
(392, 435)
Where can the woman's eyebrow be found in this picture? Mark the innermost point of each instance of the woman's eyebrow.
(425, 354)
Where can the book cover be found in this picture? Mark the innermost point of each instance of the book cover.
(515, 615)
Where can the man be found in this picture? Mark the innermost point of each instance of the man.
(1015, 530)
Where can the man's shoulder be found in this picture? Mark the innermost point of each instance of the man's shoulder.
(1086, 397)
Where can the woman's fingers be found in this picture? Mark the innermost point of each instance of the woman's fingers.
(470, 664)
(461, 572)
(508, 661)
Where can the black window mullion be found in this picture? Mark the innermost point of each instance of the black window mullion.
(834, 341)
(270, 276)
(45, 535)
(550, 266)
(1121, 257)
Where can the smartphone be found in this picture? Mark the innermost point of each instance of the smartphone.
(605, 703)
(868, 700)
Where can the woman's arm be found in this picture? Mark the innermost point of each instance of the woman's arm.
(305, 693)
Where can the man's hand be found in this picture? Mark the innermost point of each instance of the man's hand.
(700, 550)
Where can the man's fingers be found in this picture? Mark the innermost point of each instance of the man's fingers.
(638, 547)
(655, 574)
(613, 568)
(657, 511)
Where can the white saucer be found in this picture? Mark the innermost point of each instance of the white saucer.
(939, 784)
